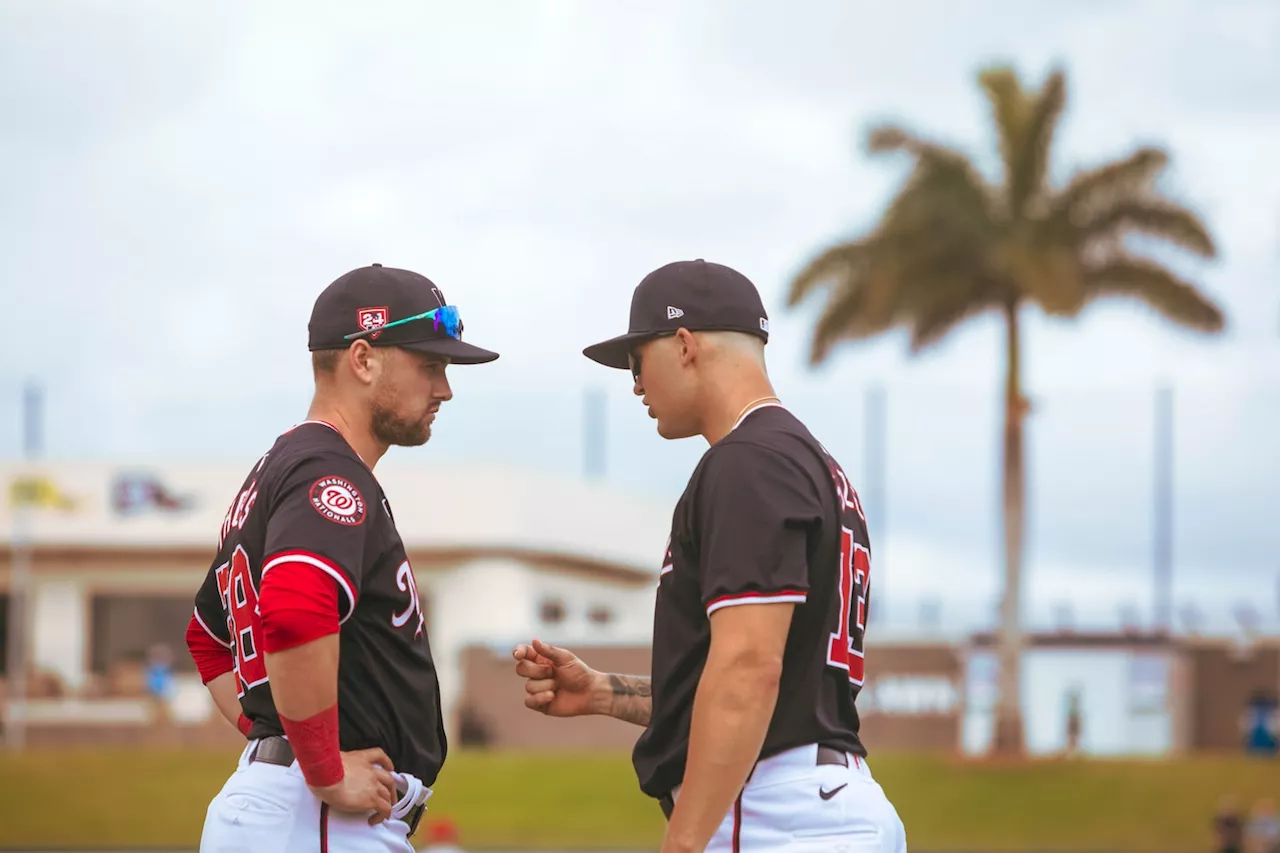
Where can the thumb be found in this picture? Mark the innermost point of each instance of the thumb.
(557, 656)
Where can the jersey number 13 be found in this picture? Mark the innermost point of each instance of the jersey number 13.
(845, 647)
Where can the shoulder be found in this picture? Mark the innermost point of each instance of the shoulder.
(746, 463)
(316, 457)
(312, 441)
(739, 453)
(773, 440)
(771, 458)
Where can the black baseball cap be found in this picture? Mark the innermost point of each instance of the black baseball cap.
(360, 303)
(696, 295)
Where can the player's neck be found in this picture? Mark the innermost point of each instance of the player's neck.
(354, 430)
(739, 397)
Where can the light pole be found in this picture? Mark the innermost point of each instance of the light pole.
(20, 579)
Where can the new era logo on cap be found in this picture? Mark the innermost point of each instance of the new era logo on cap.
(673, 313)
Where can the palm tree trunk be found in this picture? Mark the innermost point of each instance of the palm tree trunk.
(1008, 739)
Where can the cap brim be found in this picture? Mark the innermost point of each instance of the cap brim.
(616, 352)
(455, 350)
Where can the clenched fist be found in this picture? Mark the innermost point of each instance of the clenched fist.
(557, 683)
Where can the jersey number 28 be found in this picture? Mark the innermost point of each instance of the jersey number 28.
(845, 647)
(240, 602)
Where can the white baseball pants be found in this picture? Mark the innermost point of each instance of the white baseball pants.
(791, 803)
(270, 808)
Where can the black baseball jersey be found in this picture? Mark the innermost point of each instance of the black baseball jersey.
(311, 499)
(767, 516)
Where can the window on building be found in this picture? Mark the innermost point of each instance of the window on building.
(551, 611)
(125, 630)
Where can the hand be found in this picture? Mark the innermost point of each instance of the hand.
(557, 683)
(366, 785)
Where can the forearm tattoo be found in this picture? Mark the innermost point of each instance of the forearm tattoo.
(632, 698)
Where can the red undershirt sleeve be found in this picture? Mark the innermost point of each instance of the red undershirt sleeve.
(212, 654)
(297, 603)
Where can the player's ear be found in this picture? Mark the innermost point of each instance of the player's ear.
(688, 346)
(365, 361)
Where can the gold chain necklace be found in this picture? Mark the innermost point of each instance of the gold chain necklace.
(748, 406)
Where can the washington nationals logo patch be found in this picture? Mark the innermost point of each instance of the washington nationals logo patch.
(372, 318)
(338, 500)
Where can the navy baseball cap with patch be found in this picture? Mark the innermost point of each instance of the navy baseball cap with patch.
(696, 295)
(390, 308)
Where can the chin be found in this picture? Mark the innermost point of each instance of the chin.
(671, 432)
(407, 438)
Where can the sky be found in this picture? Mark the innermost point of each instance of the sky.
(178, 183)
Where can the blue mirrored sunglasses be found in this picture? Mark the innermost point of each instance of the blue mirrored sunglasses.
(446, 318)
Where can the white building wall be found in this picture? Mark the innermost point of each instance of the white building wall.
(1124, 701)
(471, 603)
(631, 611)
(59, 613)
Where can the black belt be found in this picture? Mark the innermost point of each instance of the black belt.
(826, 755)
(277, 750)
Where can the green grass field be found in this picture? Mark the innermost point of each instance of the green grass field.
(122, 798)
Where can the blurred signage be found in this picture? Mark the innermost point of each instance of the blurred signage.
(909, 695)
(134, 493)
(39, 492)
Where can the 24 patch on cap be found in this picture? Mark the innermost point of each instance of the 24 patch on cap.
(372, 318)
(338, 500)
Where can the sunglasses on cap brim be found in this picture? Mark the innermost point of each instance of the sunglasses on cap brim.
(446, 318)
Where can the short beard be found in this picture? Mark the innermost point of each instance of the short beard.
(391, 430)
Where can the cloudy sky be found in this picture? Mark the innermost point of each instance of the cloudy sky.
(178, 182)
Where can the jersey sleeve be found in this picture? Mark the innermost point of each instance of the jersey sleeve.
(755, 510)
(210, 613)
(208, 641)
(320, 518)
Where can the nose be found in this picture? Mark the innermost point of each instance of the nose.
(442, 390)
(637, 388)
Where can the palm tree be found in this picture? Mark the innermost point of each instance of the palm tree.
(953, 245)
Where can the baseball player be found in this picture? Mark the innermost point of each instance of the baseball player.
(751, 731)
(308, 630)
